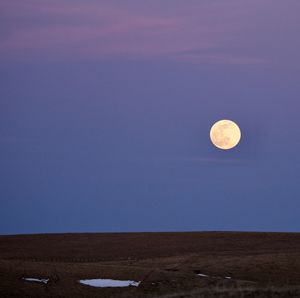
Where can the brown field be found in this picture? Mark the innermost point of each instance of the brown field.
(259, 264)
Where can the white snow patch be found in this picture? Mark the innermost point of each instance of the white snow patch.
(103, 283)
(228, 277)
(41, 280)
(202, 275)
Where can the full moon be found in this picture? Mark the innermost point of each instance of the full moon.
(225, 134)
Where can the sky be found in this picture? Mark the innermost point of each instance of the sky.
(106, 107)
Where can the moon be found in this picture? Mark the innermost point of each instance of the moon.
(225, 134)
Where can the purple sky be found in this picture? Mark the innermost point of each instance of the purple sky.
(106, 108)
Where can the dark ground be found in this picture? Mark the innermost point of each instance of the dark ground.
(259, 264)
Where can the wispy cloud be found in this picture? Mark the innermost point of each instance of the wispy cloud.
(219, 58)
(211, 160)
(98, 30)
(197, 160)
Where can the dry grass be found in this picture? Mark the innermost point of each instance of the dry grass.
(260, 264)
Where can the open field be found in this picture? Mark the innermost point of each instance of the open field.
(232, 264)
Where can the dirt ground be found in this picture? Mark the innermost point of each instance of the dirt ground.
(167, 265)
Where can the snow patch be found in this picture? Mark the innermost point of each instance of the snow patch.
(202, 275)
(32, 279)
(103, 283)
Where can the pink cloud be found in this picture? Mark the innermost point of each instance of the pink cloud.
(99, 30)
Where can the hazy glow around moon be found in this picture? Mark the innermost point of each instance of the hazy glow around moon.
(225, 134)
